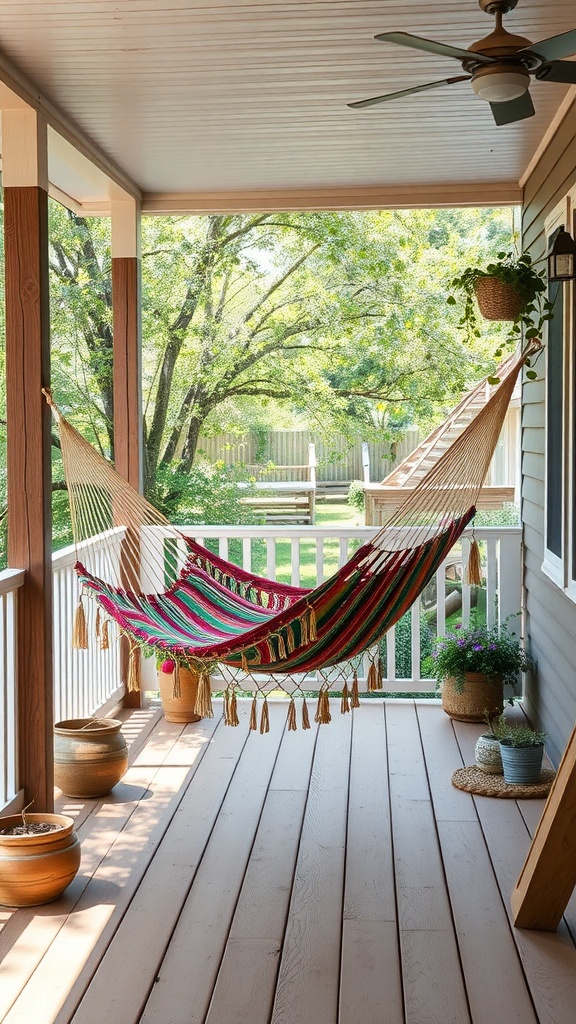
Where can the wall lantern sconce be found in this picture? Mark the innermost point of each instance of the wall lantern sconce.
(562, 256)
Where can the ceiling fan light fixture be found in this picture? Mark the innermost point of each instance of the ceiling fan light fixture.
(499, 84)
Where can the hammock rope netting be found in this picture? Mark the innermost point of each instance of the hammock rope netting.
(172, 598)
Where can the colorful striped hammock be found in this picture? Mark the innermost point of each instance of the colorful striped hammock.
(170, 596)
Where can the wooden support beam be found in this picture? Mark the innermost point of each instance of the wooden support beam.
(127, 367)
(28, 418)
(548, 877)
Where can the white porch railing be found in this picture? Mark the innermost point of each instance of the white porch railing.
(10, 582)
(84, 681)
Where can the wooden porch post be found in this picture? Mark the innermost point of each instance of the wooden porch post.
(25, 180)
(127, 362)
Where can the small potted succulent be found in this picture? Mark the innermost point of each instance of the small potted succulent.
(509, 288)
(472, 664)
(522, 750)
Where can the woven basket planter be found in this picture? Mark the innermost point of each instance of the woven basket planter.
(480, 695)
(498, 300)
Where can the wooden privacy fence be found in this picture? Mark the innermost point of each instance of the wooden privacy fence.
(337, 460)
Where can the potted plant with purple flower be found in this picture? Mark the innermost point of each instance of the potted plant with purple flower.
(472, 664)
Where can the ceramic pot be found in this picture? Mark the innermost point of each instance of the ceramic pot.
(179, 709)
(521, 765)
(90, 756)
(36, 869)
(487, 753)
(480, 696)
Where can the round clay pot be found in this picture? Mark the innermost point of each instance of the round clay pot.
(90, 756)
(179, 709)
(487, 754)
(481, 696)
(36, 869)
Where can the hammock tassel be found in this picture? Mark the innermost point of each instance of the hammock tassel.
(355, 702)
(176, 686)
(104, 639)
(305, 715)
(474, 568)
(264, 718)
(80, 630)
(97, 625)
(292, 724)
(312, 634)
(254, 715)
(323, 716)
(281, 647)
(345, 701)
(203, 706)
(245, 664)
(230, 707)
(373, 677)
(290, 639)
(133, 681)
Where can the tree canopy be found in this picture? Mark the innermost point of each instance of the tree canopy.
(340, 318)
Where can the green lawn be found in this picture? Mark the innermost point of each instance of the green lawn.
(327, 514)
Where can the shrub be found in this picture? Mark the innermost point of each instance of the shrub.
(356, 495)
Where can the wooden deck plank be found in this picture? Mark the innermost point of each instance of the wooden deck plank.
(246, 981)
(308, 978)
(548, 959)
(139, 943)
(185, 980)
(443, 756)
(433, 986)
(118, 843)
(486, 946)
(275, 903)
(27, 934)
(370, 986)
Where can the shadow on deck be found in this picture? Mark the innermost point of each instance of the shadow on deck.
(332, 876)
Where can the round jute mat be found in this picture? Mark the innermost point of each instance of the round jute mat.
(474, 780)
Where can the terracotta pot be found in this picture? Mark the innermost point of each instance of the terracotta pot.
(498, 300)
(480, 696)
(90, 756)
(36, 869)
(179, 709)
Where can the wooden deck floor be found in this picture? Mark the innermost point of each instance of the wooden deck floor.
(325, 877)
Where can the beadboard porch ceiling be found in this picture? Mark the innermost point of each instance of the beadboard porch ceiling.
(230, 104)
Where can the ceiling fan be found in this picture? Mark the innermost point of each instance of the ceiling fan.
(499, 65)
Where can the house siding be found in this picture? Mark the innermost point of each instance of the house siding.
(550, 614)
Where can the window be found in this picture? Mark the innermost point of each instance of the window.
(560, 474)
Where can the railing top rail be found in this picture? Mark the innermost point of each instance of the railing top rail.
(11, 579)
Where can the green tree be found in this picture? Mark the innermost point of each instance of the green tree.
(341, 317)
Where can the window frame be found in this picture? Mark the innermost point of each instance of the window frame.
(561, 569)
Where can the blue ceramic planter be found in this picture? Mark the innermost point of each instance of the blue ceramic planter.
(521, 765)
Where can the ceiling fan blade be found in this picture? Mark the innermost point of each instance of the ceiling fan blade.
(554, 48)
(514, 110)
(558, 71)
(406, 92)
(430, 46)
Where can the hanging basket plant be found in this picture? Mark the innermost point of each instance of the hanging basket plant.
(508, 289)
